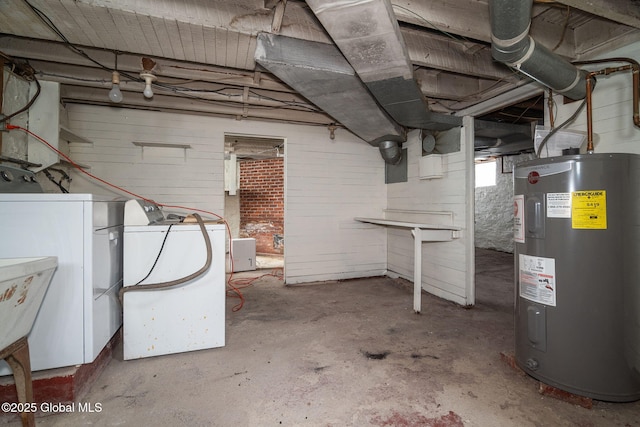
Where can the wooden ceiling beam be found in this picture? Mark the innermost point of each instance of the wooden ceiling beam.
(625, 12)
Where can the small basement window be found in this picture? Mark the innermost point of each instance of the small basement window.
(486, 174)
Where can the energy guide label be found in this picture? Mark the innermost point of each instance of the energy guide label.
(589, 209)
(537, 277)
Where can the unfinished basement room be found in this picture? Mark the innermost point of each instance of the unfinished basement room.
(320, 213)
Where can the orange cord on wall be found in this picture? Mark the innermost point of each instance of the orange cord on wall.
(233, 291)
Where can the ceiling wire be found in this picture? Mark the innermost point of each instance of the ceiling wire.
(564, 29)
(434, 26)
(294, 105)
(471, 96)
(528, 108)
(29, 74)
(47, 21)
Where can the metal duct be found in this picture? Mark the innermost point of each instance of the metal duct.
(391, 151)
(320, 73)
(512, 45)
(368, 35)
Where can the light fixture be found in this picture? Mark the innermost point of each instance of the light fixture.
(148, 79)
(114, 94)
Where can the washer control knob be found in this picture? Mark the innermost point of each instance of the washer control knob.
(6, 176)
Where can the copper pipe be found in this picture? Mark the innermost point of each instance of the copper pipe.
(635, 69)
(589, 80)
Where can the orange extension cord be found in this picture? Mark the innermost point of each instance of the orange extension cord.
(233, 291)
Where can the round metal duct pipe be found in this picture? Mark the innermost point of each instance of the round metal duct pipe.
(512, 45)
(391, 151)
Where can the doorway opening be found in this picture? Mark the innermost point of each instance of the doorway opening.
(254, 199)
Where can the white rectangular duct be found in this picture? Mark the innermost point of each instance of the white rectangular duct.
(320, 73)
(368, 35)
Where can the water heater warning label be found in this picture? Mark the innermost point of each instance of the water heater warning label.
(559, 205)
(537, 278)
(518, 218)
(589, 209)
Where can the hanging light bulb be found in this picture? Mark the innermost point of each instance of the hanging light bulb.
(148, 79)
(114, 94)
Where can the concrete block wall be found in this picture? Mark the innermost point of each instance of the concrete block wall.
(262, 203)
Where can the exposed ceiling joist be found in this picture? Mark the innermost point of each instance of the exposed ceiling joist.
(622, 11)
(164, 102)
(213, 43)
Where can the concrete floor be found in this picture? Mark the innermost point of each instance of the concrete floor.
(348, 353)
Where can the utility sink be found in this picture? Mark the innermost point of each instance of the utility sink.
(23, 283)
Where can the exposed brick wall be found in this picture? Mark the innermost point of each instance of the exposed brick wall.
(262, 203)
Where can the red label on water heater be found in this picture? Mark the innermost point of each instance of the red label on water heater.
(533, 177)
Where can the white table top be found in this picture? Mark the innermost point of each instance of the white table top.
(406, 224)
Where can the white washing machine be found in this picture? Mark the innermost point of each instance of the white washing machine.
(80, 312)
(186, 317)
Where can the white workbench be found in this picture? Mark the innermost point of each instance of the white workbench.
(421, 233)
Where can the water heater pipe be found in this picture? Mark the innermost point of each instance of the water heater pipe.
(634, 66)
(635, 70)
(589, 115)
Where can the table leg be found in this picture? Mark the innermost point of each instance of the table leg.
(417, 269)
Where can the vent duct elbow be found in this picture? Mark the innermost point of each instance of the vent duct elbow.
(391, 151)
(512, 45)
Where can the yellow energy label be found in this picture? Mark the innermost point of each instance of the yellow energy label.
(589, 209)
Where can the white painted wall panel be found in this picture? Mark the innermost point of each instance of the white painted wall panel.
(327, 182)
(447, 267)
(191, 177)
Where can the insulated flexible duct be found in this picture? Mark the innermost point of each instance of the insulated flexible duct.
(512, 45)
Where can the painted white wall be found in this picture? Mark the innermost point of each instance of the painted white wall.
(613, 127)
(494, 208)
(447, 267)
(191, 177)
(327, 182)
